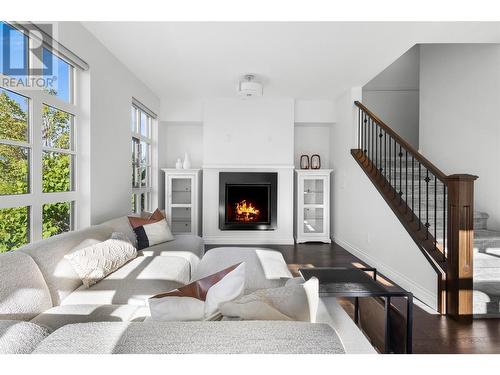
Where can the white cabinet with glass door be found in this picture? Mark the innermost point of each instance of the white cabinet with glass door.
(312, 205)
(182, 200)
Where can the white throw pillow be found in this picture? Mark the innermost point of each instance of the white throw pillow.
(291, 302)
(93, 263)
(153, 234)
(175, 308)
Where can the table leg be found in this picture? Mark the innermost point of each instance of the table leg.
(387, 310)
(409, 324)
(356, 310)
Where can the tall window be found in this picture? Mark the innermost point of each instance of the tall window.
(37, 147)
(142, 160)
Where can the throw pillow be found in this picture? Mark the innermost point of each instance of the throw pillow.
(153, 234)
(137, 221)
(291, 302)
(199, 300)
(93, 263)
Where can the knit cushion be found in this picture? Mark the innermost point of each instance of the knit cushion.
(95, 262)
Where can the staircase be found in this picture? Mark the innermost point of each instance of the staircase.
(435, 209)
(486, 296)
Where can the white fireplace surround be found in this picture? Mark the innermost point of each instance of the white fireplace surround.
(248, 136)
(283, 234)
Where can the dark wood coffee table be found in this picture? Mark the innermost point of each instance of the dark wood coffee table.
(355, 283)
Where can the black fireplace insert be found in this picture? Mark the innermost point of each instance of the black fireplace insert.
(247, 201)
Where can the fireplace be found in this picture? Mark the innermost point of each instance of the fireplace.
(247, 201)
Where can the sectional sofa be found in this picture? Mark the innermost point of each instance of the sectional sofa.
(44, 308)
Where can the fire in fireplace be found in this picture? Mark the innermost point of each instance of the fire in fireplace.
(247, 201)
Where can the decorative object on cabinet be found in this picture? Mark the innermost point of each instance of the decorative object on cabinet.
(312, 204)
(315, 162)
(182, 200)
(187, 162)
(178, 164)
(304, 162)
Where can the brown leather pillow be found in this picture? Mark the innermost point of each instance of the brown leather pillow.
(137, 221)
(198, 289)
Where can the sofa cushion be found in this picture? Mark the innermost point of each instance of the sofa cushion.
(59, 316)
(93, 263)
(153, 234)
(23, 291)
(49, 254)
(193, 244)
(230, 337)
(293, 301)
(18, 337)
(222, 257)
(135, 282)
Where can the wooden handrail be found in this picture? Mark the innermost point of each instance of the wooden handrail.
(417, 155)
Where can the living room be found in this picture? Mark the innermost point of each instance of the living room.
(265, 185)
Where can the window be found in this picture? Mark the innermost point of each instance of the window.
(142, 121)
(37, 147)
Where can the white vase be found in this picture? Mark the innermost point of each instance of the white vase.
(187, 162)
(178, 164)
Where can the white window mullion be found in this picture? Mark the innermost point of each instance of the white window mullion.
(36, 168)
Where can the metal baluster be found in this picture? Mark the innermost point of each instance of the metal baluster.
(419, 196)
(400, 173)
(359, 128)
(364, 133)
(380, 150)
(427, 225)
(395, 170)
(435, 212)
(385, 156)
(412, 186)
(376, 146)
(372, 144)
(445, 227)
(390, 162)
(406, 180)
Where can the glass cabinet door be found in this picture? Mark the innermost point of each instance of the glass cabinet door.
(313, 205)
(313, 191)
(313, 220)
(181, 190)
(181, 220)
(181, 200)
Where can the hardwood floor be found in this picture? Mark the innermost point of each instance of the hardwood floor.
(432, 333)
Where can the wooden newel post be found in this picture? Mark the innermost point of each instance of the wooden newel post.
(459, 282)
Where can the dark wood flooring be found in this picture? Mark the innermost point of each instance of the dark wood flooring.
(432, 333)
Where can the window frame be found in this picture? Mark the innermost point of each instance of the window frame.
(137, 138)
(36, 198)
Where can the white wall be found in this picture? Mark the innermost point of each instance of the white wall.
(105, 147)
(363, 223)
(248, 132)
(312, 139)
(314, 111)
(176, 138)
(394, 97)
(459, 122)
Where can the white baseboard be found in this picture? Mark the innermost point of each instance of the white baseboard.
(223, 240)
(424, 295)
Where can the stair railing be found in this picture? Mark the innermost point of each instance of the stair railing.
(436, 209)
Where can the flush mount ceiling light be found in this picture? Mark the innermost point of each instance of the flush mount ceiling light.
(249, 87)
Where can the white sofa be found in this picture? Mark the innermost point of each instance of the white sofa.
(42, 299)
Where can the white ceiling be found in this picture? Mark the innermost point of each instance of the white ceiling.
(302, 60)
